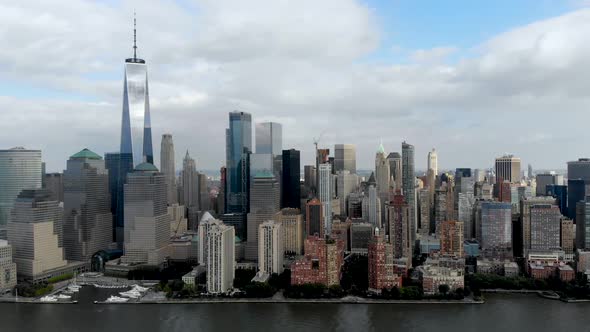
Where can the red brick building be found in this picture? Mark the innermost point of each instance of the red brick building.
(451, 238)
(321, 264)
(381, 267)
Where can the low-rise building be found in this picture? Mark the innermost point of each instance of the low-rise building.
(434, 276)
(566, 273)
(321, 264)
(511, 269)
(582, 260)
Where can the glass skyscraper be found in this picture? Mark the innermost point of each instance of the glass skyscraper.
(409, 185)
(291, 178)
(19, 169)
(136, 129)
(269, 138)
(238, 150)
(118, 165)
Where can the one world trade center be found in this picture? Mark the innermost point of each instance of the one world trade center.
(136, 129)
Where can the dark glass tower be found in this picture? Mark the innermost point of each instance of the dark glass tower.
(291, 187)
(238, 150)
(118, 165)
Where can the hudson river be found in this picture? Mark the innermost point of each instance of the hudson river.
(500, 313)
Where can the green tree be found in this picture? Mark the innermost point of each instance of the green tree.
(443, 289)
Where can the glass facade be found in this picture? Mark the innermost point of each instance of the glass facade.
(291, 178)
(269, 138)
(409, 185)
(238, 150)
(118, 165)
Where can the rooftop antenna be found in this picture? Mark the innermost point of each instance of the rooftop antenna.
(134, 37)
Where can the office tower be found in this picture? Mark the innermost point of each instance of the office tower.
(567, 235)
(270, 247)
(399, 227)
(322, 157)
(494, 229)
(291, 221)
(433, 161)
(354, 206)
(54, 183)
(221, 261)
(118, 165)
(7, 266)
(465, 215)
(381, 267)
(147, 222)
(559, 192)
(19, 169)
(291, 182)
(321, 264)
(189, 183)
(360, 236)
(204, 225)
(325, 194)
(264, 204)
(346, 184)
(309, 176)
(314, 222)
(88, 222)
(345, 158)
(35, 233)
(269, 138)
(530, 171)
(395, 169)
(464, 183)
(409, 185)
(545, 179)
(341, 231)
(451, 238)
(440, 206)
(371, 211)
(382, 173)
(178, 221)
(508, 169)
(526, 220)
(424, 211)
(576, 192)
(545, 227)
(479, 175)
(204, 196)
(136, 128)
(168, 168)
(238, 150)
(583, 224)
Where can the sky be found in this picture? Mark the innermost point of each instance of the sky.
(473, 79)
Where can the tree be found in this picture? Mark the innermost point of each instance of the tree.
(443, 289)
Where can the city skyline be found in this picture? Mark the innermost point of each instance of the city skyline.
(376, 73)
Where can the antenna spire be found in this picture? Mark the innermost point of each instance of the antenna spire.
(134, 37)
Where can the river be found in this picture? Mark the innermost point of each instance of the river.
(499, 313)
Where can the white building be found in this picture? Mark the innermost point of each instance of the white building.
(346, 183)
(7, 267)
(325, 190)
(371, 208)
(204, 226)
(178, 223)
(221, 261)
(382, 171)
(270, 247)
(433, 161)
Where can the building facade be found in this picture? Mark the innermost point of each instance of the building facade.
(238, 150)
(271, 248)
(168, 167)
(221, 263)
(291, 221)
(264, 204)
(345, 158)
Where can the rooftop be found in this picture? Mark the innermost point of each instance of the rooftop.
(146, 167)
(86, 154)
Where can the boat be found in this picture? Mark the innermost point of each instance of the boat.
(133, 294)
(139, 288)
(48, 298)
(116, 299)
(64, 297)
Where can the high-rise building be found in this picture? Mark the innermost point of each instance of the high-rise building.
(7, 267)
(545, 179)
(204, 197)
(238, 150)
(221, 260)
(118, 165)
(264, 204)
(147, 222)
(314, 215)
(291, 182)
(269, 138)
(345, 158)
(36, 235)
(508, 169)
(559, 192)
(545, 226)
(424, 211)
(54, 183)
(526, 221)
(465, 215)
(371, 208)
(395, 169)
(88, 222)
(409, 185)
(583, 224)
(19, 169)
(381, 267)
(270, 247)
(441, 206)
(321, 264)
(204, 225)
(189, 183)
(567, 235)
(399, 227)
(325, 194)
(291, 221)
(432, 161)
(382, 172)
(578, 176)
(168, 168)
(451, 238)
(361, 234)
(309, 176)
(494, 229)
(136, 127)
(346, 183)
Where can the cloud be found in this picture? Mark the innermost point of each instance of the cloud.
(296, 62)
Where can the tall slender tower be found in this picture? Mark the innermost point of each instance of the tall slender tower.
(409, 186)
(136, 127)
(433, 161)
(168, 168)
(238, 149)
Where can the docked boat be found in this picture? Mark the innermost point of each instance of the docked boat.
(63, 297)
(48, 298)
(133, 294)
(116, 299)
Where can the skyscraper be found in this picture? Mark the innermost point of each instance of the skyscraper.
(168, 168)
(433, 161)
(291, 221)
(494, 229)
(269, 138)
(409, 185)
(346, 184)
(88, 222)
(136, 127)
(526, 219)
(508, 169)
(325, 194)
(395, 169)
(345, 158)
(314, 218)
(578, 176)
(118, 165)
(238, 150)
(382, 175)
(291, 182)
(399, 227)
(54, 182)
(264, 204)
(451, 238)
(270, 247)
(221, 260)
(147, 222)
(545, 227)
(19, 169)
(190, 183)
(371, 207)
